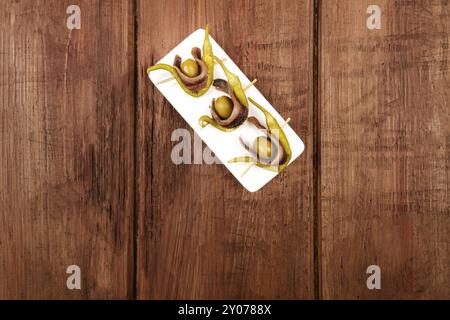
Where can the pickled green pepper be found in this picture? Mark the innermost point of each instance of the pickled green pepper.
(234, 82)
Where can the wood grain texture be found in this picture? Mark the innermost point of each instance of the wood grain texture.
(385, 149)
(66, 160)
(84, 148)
(200, 233)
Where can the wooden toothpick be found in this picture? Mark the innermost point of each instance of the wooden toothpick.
(250, 84)
(247, 170)
(286, 123)
(166, 80)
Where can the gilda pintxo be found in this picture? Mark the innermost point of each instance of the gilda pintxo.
(194, 76)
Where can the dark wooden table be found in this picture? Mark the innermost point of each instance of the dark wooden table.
(86, 177)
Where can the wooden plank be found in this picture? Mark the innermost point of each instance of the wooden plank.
(200, 234)
(385, 149)
(66, 161)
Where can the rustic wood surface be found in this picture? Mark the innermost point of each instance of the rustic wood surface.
(385, 129)
(66, 162)
(86, 176)
(200, 234)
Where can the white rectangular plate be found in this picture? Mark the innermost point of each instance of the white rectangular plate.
(225, 145)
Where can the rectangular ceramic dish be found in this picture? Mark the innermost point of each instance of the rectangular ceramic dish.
(225, 145)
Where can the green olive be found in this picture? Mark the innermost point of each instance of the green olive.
(263, 147)
(190, 68)
(223, 107)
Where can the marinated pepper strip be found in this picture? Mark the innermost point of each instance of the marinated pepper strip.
(234, 82)
(207, 58)
(205, 120)
(277, 135)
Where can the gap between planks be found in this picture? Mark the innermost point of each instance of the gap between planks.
(316, 224)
